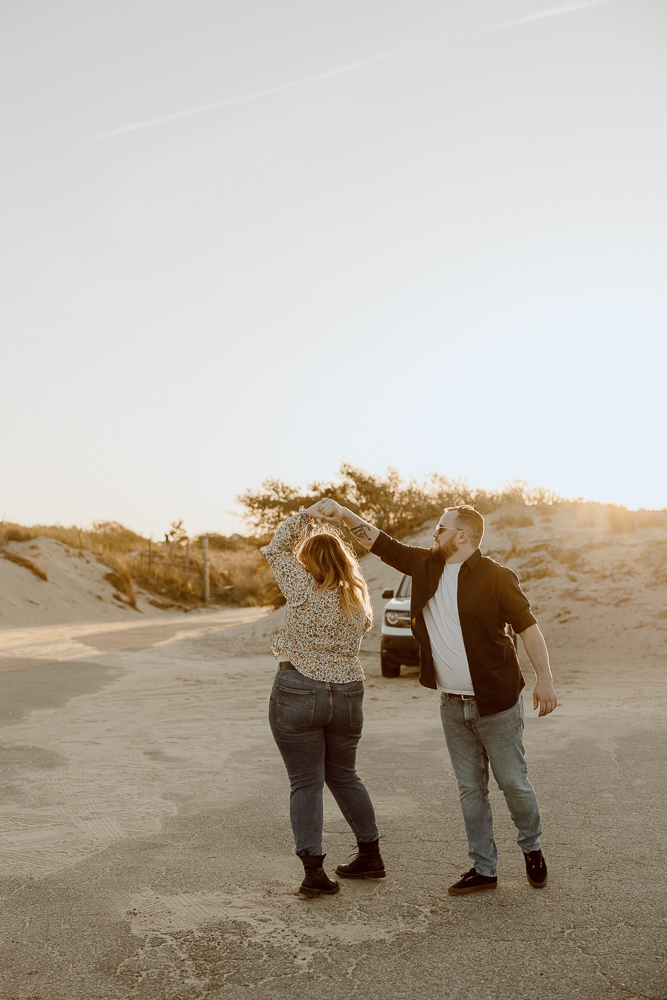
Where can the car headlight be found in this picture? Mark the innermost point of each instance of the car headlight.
(400, 618)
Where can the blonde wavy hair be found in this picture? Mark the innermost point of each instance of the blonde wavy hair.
(334, 565)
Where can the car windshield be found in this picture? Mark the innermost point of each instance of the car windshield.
(405, 587)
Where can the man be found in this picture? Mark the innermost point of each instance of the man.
(460, 606)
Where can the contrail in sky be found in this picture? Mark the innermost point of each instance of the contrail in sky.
(232, 101)
(540, 15)
(257, 95)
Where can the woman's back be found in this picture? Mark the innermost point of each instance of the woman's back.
(323, 627)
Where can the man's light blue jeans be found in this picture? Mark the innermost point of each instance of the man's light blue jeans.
(317, 727)
(474, 742)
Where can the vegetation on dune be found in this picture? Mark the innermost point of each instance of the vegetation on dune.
(25, 563)
(396, 505)
(654, 560)
(121, 581)
(172, 571)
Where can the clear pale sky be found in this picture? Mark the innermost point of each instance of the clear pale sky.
(245, 239)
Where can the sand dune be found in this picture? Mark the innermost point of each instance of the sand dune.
(75, 588)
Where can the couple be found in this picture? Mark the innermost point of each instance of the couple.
(461, 604)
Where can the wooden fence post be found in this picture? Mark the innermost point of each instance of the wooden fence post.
(204, 545)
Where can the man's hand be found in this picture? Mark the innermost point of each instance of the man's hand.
(329, 509)
(544, 696)
(315, 510)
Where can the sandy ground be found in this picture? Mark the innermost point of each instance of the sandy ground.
(145, 844)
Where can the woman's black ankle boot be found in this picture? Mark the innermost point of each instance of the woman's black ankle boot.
(316, 880)
(367, 864)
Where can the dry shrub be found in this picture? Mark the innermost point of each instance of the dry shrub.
(396, 505)
(538, 560)
(16, 535)
(651, 518)
(513, 540)
(547, 512)
(181, 588)
(238, 573)
(538, 567)
(569, 557)
(591, 514)
(240, 579)
(25, 563)
(654, 562)
(620, 520)
(620, 569)
(120, 578)
(252, 579)
(497, 554)
(588, 515)
(576, 594)
(517, 518)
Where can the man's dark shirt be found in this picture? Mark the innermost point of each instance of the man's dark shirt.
(489, 598)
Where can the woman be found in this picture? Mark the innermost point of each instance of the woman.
(316, 705)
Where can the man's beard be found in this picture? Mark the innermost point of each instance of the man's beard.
(443, 552)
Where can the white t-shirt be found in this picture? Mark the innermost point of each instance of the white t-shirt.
(441, 615)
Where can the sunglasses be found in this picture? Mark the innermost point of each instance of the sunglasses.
(444, 527)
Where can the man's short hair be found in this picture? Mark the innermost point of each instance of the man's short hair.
(470, 520)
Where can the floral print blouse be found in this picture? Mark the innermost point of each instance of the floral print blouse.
(318, 638)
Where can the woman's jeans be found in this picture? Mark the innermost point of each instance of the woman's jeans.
(317, 727)
(474, 742)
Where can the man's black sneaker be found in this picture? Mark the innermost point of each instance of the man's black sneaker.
(472, 881)
(536, 869)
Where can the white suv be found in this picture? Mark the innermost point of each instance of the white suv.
(397, 643)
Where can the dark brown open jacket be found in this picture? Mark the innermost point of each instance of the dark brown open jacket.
(489, 598)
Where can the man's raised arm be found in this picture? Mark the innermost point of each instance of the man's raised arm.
(364, 532)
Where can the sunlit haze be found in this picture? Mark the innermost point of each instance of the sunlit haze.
(250, 240)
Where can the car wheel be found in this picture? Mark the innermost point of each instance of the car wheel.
(389, 666)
